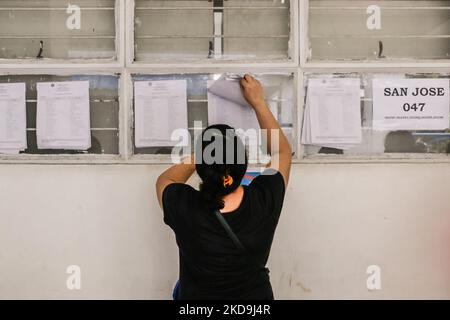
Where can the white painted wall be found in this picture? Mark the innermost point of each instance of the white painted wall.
(337, 220)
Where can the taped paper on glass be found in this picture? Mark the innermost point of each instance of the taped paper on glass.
(63, 115)
(160, 109)
(13, 128)
(332, 115)
(411, 104)
(228, 87)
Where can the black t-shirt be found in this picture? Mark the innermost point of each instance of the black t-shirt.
(211, 266)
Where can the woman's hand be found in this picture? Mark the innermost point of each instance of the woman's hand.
(280, 150)
(253, 91)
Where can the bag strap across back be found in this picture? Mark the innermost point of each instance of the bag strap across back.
(229, 231)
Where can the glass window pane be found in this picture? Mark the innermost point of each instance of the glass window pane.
(279, 92)
(104, 108)
(377, 30)
(202, 29)
(256, 29)
(390, 142)
(57, 29)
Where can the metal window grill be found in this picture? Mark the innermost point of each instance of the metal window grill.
(43, 29)
(212, 29)
(386, 142)
(104, 108)
(379, 30)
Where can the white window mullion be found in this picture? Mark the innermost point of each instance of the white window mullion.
(121, 31)
(129, 31)
(303, 14)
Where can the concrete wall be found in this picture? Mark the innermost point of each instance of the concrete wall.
(337, 220)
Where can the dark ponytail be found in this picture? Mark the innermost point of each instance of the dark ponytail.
(211, 188)
(224, 166)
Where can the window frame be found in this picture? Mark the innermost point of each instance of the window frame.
(67, 67)
(150, 158)
(385, 64)
(293, 39)
(204, 66)
(119, 14)
(339, 66)
(27, 158)
(125, 67)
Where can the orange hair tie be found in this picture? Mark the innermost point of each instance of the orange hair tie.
(227, 181)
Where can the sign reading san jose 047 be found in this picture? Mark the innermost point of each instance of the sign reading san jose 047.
(411, 104)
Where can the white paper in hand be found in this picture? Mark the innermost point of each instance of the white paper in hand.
(242, 118)
(229, 88)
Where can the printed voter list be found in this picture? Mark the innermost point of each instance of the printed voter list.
(160, 109)
(332, 116)
(411, 104)
(13, 135)
(63, 115)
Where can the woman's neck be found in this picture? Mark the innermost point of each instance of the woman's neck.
(233, 200)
